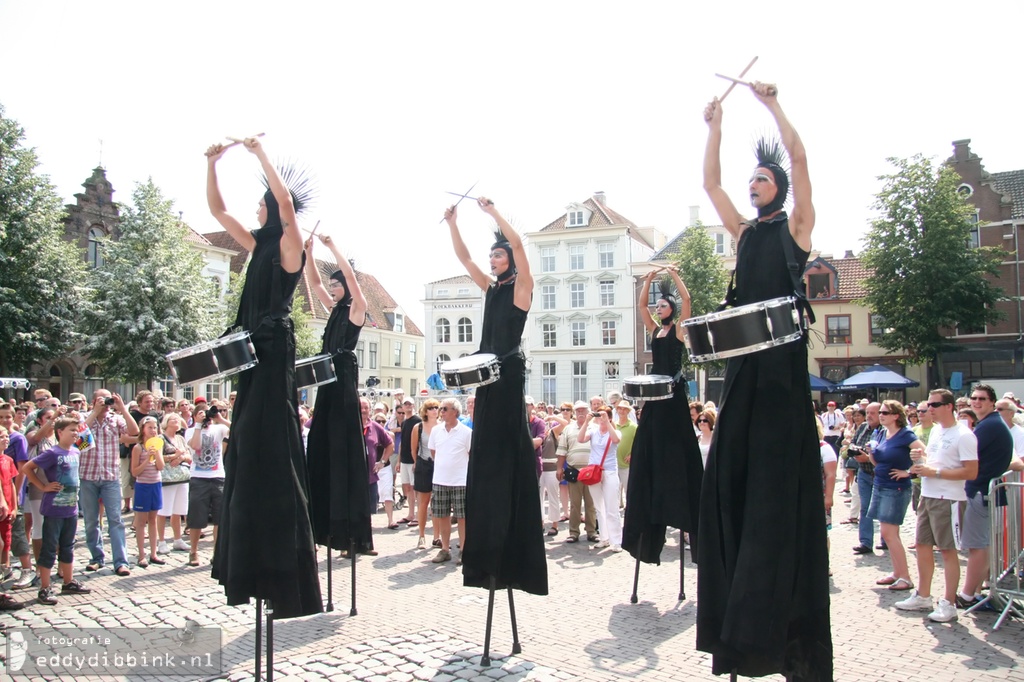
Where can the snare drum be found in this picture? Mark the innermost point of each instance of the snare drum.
(743, 329)
(648, 387)
(213, 360)
(315, 371)
(473, 370)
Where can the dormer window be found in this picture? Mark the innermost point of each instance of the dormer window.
(576, 218)
(577, 215)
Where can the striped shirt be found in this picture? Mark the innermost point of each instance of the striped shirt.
(101, 463)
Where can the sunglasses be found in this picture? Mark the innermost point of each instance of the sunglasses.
(703, 421)
(434, 407)
(981, 398)
(937, 405)
(443, 409)
(884, 412)
(566, 409)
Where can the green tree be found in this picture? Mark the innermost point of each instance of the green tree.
(925, 279)
(40, 273)
(701, 270)
(149, 297)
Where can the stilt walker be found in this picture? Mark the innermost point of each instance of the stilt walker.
(339, 497)
(502, 548)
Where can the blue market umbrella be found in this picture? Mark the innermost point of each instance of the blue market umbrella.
(876, 377)
(819, 384)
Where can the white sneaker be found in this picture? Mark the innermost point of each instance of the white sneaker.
(163, 548)
(602, 545)
(915, 602)
(180, 546)
(616, 548)
(943, 613)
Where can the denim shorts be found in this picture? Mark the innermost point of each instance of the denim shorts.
(889, 505)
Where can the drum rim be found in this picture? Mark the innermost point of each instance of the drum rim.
(747, 350)
(217, 377)
(740, 310)
(312, 360)
(230, 338)
(479, 360)
(319, 383)
(649, 380)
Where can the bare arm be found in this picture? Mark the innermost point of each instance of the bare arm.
(523, 296)
(731, 218)
(462, 252)
(216, 201)
(357, 313)
(684, 303)
(642, 309)
(830, 483)
(801, 221)
(291, 240)
(312, 273)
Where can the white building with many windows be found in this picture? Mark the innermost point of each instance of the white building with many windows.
(454, 311)
(580, 332)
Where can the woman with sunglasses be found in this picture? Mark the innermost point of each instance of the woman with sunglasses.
(891, 493)
(423, 467)
(706, 426)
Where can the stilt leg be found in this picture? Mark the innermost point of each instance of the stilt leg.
(330, 581)
(732, 676)
(486, 658)
(259, 640)
(516, 647)
(352, 555)
(682, 564)
(636, 580)
(270, 641)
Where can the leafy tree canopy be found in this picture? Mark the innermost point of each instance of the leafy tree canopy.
(149, 296)
(925, 279)
(40, 273)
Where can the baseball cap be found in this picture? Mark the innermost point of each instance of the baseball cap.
(624, 403)
(529, 400)
(200, 399)
(76, 396)
(831, 403)
(408, 401)
(579, 403)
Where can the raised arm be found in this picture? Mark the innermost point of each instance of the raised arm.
(462, 252)
(216, 201)
(357, 313)
(684, 303)
(801, 220)
(643, 310)
(291, 240)
(523, 296)
(730, 217)
(313, 277)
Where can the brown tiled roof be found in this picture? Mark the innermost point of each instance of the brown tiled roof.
(196, 238)
(1011, 185)
(602, 216)
(458, 279)
(223, 240)
(850, 275)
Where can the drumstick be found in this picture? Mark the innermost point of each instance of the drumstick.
(737, 81)
(733, 85)
(314, 229)
(236, 141)
(461, 197)
(464, 196)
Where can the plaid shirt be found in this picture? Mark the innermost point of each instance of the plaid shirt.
(101, 463)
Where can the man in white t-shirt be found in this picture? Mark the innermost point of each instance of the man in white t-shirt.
(1007, 411)
(833, 422)
(206, 486)
(952, 458)
(449, 444)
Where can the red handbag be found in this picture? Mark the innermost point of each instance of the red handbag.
(591, 474)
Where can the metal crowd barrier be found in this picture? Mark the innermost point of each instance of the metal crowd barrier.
(1006, 558)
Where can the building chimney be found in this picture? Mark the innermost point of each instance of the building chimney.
(961, 150)
(848, 254)
(694, 215)
(599, 198)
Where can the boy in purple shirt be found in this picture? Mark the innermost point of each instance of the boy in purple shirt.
(59, 508)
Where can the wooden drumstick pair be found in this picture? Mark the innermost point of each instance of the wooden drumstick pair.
(739, 81)
(237, 141)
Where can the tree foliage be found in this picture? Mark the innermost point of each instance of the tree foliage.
(701, 270)
(149, 297)
(40, 273)
(924, 276)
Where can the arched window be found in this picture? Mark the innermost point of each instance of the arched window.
(441, 359)
(444, 330)
(465, 330)
(94, 253)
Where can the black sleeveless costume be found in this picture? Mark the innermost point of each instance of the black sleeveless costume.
(666, 468)
(503, 523)
(762, 580)
(339, 496)
(265, 544)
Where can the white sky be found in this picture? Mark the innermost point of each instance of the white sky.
(393, 103)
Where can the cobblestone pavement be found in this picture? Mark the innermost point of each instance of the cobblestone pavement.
(416, 621)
